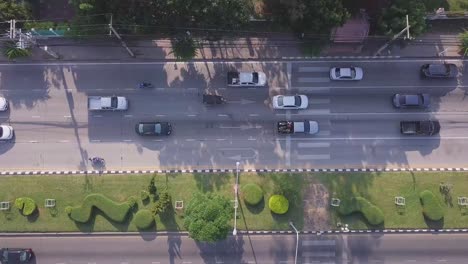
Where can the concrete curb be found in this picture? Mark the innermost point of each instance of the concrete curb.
(346, 170)
(258, 232)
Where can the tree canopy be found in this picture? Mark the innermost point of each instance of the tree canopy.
(393, 20)
(207, 217)
(12, 10)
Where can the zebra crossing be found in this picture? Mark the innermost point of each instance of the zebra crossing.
(318, 251)
(299, 147)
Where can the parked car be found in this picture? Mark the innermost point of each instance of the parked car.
(3, 104)
(411, 100)
(6, 132)
(439, 70)
(346, 74)
(290, 127)
(246, 79)
(422, 128)
(15, 255)
(107, 103)
(153, 128)
(290, 102)
(213, 99)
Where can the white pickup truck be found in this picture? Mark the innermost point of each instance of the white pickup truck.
(290, 127)
(107, 103)
(246, 79)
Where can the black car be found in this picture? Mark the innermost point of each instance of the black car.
(439, 70)
(421, 128)
(15, 255)
(411, 100)
(153, 128)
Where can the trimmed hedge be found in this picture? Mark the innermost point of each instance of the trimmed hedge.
(144, 219)
(26, 205)
(431, 206)
(371, 213)
(144, 195)
(252, 193)
(278, 204)
(115, 211)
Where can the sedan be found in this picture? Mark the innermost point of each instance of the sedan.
(3, 104)
(290, 102)
(439, 70)
(15, 255)
(153, 128)
(6, 132)
(346, 74)
(411, 100)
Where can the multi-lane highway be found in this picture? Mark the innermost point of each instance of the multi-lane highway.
(258, 249)
(358, 125)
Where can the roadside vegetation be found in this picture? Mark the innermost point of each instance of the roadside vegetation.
(267, 201)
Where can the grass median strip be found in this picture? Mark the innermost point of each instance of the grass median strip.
(101, 202)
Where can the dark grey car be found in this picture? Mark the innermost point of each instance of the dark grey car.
(15, 255)
(411, 100)
(439, 70)
(153, 128)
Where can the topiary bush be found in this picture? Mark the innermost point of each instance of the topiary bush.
(144, 219)
(371, 213)
(132, 201)
(163, 203)
(26, 205)
(115, 211)
(144, 195)
(278, 204)
(431, 206)
(252, 193)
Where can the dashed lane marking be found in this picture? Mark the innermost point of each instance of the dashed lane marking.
(128, 115)
(35, 116)
(191, 115)
(314, 157)
(313, 144)
(220, 139)
(127, 140)
(222, 115)
(253, 114)
(95, 140)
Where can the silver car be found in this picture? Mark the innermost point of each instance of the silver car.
(290, 102)
(411, 100)
(346, 74)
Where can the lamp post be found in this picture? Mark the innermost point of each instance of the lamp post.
(297, 239)
(236, 202)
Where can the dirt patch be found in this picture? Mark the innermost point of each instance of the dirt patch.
(316, 207)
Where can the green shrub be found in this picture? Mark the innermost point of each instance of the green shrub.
(132, 201)
(144, 219)
(431, 206)
(278, 204)
(115, 211)
(252, 193)
(163, 203)
(152, 187)
(26, 205)
(144, 195)
(68, 210)
(371, 213)
(11, 51)
(464, 41)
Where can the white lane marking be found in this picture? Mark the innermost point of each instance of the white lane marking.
(186, 262)
(374, 138)
(189, 139)
(288, 150)
(253, 114)
(155, 262)
(192, 89)
(314, 157)
(64, 141)
(33, 141)
(222, 115)
(410, 260)
(319, 101)
(97, 115)
(313, 145)
(324, 133)
(441, 260)
(315, 89)
(160, 115)
(129, 89)
(192, 115)
(128, 115)
(67, 116)
(312, 79)
(96, 140)
(35, 116)
(220, 139)
(157, 140)
(289, 73)
(252, 139)
(308, 112)
(314, 69)
(127, 140)
(379, 87)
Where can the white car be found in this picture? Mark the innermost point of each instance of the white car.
(346, 74)
(290, 102)
(6, 132)
(3, 104)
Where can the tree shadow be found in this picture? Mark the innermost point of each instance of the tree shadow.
(230, 250)
(168, 219)
(434, 224)
(256, 209)
(34, 216)
(149, 234)
(210, 182)
(174, 243)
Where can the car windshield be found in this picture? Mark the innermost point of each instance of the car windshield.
(114, 102)
(1, 131)
(255, 77)
(439, 69)
(411, 100)
(297, 100)
(23, 256)
(157, 128)
(280, 101)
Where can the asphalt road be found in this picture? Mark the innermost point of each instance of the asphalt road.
(358, 125)
(260, 249)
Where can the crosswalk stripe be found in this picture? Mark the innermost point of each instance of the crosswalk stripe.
(313, 79)
(313, 145)
(313, 69)
(313, 111)
(314, 157)
(319, 101)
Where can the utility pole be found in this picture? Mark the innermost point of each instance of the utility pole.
(12, 28)
(236, 201)
(297, 240)
(406, 29)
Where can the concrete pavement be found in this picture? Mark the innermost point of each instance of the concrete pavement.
(358, 125)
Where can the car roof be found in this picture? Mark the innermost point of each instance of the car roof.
(345, 71)
(412, 99)
(438, 68)
(289, 100)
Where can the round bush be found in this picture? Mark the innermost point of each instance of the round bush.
(26, 204)
(252, 193)
(68, 210)
(144, 219)
(431, 206)
(144, 195)
(278, 204)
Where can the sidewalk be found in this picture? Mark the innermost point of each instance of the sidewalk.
(252, 48)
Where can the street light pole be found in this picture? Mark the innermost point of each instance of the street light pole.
(236, 202)
(297, 240)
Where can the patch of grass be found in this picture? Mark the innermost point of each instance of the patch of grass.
(458, 5)
(312, 48)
